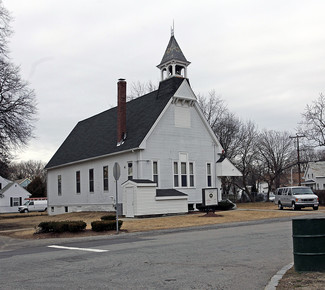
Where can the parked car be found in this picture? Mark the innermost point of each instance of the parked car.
(271, 197)
(33, 204)
(296, 197)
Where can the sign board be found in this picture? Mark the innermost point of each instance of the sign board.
(116, 171)
(209, 196)
(116, 174)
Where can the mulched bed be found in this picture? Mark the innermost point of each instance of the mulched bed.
(212, 214)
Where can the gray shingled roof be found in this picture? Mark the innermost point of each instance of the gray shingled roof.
(169, 192)
(3, 190)
(173, 52)
(97, 135)
(142, 181)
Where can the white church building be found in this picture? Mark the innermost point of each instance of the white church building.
(164, 146)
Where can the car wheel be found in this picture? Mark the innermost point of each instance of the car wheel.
(25, 210)
(280, 207)
(294, 207)
(315, 207)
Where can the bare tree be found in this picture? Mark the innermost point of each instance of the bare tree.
(224, 124)
(4, 168)
(17, 101)
(238, 140)
(246, 156)
(228, 130)
(5, 30)
(139, 89)
(17, 108)
(277, 152)
(213, 107)
(28, 169)
(313, 123)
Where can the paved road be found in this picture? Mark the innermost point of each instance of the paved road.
(240, 256)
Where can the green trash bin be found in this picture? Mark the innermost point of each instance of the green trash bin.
(309, 244)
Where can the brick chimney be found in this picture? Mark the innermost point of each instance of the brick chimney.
(121, 111)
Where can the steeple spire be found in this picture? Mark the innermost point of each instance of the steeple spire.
(173, 62)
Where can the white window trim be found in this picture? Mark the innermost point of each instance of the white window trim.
(59, 180)
(179, 162)
(189, 174)
(158, 171)
(103, 178)
(76, 184)
(206, 175)
(173, 162)
(130, 162)
(93, 180)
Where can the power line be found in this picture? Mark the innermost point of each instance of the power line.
(298, 154)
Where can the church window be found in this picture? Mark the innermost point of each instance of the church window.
(186, 178)
(105, 178)
(175, 174)
(191, 168)
(91, 180)
(209, 179)
(130, 170)
(78, 182)
(155, 172)
(59, 185)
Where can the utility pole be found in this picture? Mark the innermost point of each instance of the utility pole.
(298, 154)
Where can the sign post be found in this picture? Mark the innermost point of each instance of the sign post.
(116, 174)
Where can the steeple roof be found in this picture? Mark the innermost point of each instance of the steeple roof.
(173, 52)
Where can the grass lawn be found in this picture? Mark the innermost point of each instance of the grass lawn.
(24, 225)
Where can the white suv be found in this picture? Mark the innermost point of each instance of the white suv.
(296, 197)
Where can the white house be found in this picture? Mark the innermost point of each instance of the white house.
(23, 182)
(161, 137)
(12, 195)
(315, 175)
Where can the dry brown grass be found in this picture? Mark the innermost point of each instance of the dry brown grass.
(244, 213)
(304, 280)
(24, 225)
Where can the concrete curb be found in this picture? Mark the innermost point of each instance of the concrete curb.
(277, 277)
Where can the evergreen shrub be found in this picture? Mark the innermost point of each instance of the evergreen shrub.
(222, 205)
(108, 218)
(106, 225)
(62, 226)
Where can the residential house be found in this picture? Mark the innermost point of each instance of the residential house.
(162, 142)
(23, 182)
(12, 195)
(315, 175)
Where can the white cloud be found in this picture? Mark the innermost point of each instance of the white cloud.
(265, 58)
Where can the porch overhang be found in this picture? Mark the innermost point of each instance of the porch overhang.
(225, 168)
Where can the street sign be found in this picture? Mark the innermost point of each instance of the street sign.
(116, 174)
(116, 171)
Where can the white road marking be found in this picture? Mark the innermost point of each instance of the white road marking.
(78, 249)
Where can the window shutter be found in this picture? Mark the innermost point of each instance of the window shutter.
(20, 201)
(11, 201)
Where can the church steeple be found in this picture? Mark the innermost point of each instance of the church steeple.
(173, 62)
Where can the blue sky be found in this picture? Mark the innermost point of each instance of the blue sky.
(264, 58)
